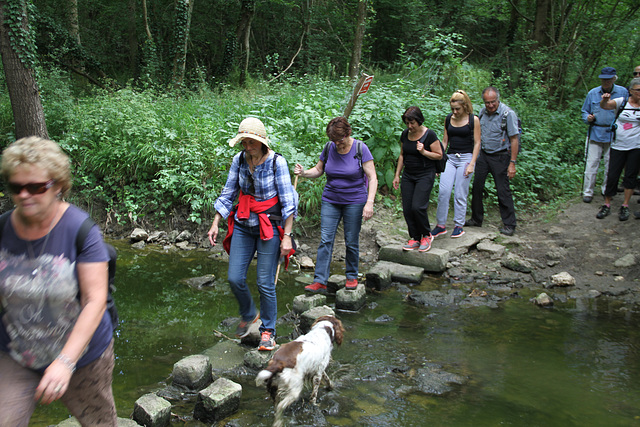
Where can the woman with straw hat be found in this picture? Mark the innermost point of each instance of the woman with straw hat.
(261, 221)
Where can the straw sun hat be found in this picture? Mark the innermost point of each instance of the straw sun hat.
(251, 128)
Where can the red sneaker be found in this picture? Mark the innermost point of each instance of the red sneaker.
(351, 284)
(316, 288)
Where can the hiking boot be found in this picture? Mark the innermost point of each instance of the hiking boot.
(267, 341)
(351, 284)
(425, 243)
(624, 213)
(604, 211)
(472, 223)
(507, 230)
(457, 232)
(411, 245)
(316, 288)
(437, 231)
(243, 327)
(637, 214)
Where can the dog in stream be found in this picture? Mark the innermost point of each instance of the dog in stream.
(303, 359)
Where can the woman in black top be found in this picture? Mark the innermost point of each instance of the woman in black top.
(419, 149)
(462, 142)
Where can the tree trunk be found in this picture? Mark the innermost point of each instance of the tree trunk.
(133, 37)
(28, 113)
(243, 31)
(356, 52)
(184, 8)
(541, 24)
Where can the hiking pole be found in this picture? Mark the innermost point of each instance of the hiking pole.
(295, 185)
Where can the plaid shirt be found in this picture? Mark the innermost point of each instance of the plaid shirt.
(264, 184)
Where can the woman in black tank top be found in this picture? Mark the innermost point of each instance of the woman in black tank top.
(462, 142)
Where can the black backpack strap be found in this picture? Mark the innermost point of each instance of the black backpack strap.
(472, 119)
(3, 220)
(447, 122)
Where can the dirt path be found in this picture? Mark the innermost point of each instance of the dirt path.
(602, 255)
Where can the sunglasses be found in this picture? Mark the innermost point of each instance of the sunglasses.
(32, 188)
(636, 73)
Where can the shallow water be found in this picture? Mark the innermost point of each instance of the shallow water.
(577, 364)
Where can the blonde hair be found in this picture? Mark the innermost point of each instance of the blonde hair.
(462, 97)
(39, 152)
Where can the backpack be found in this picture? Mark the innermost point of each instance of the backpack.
(83, 231)
(503, 124)
(325, 153)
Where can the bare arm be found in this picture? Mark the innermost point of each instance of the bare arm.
(476, 146)
(312, 173)
(606, 103)
(396, 178)
(370, 172)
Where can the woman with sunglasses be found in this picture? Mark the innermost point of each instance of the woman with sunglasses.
(625, 149)
(261, 222)
(56, 338)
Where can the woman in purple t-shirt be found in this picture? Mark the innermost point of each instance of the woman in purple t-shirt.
(349, 193)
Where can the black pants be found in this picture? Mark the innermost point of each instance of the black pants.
(496, 165)
(618, 160)
(415, 190)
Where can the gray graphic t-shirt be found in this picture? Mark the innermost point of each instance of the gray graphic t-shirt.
(39, 302)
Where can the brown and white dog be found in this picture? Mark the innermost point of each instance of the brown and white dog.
(304, 358)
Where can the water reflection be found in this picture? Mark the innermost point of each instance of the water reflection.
(575, 364)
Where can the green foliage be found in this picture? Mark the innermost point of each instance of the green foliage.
(144, 157)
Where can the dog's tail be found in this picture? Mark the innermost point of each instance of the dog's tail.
(262, 377)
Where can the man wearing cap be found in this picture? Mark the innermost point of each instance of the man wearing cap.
(599, 134)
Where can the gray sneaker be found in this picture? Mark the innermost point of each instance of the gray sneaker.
(243, 327)
(604, 211)
(624, 213)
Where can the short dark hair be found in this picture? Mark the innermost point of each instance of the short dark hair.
(413, 113)
(338, 128)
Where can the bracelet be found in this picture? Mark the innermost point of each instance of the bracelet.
(370, 201)
(66, 360)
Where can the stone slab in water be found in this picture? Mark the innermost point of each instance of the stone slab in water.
(309, 317)
(219, 400)
(152, 411)
(433, 261)
(193, 372)
(335, 282)
(302, 303)
(225, 356)
(122, 422)
(351, 300)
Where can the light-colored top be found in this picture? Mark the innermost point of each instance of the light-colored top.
(627, 127)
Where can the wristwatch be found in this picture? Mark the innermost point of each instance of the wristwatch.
(288, 234)
(513, 161)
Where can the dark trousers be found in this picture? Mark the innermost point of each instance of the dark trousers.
(619, 160)
(496, 165)
(415, 190)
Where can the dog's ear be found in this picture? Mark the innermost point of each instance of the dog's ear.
(338, 331)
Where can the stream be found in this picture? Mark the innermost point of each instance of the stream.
(577, 364)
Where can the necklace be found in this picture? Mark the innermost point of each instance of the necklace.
(32, 256)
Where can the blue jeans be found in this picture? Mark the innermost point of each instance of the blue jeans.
(453, 180)
(245, 241)
(330, 216)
